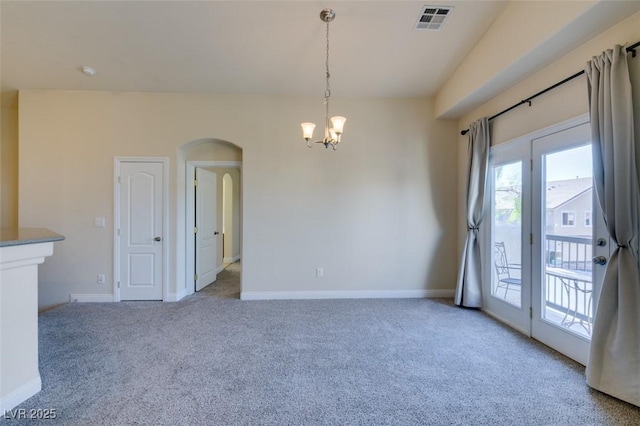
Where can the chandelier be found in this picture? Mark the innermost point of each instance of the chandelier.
(333, 126)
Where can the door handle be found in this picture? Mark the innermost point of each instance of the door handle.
(157, 239)
(600, 260)
(216, 233)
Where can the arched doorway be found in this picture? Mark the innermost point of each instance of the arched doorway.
(222, 158)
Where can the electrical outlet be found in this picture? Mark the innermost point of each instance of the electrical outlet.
(319, 272)
(101, 279)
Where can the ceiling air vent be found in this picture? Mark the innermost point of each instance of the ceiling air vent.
(432, 18)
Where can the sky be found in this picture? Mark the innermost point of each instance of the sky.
(563, 165)
(569, 164)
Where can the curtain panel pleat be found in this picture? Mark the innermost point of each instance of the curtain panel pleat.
(469, 287)
(614, 358)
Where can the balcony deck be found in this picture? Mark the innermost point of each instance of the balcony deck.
(568, 286)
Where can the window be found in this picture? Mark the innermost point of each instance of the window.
(587, 219)
(568, 218)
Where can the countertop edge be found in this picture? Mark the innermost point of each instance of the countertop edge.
(24, 236)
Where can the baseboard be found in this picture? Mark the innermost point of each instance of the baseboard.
(220, 268)
(175, 297)
(441, 293)
(91, 298)
(355, 294)
(231, 259)
(507, 322)
(20, 395)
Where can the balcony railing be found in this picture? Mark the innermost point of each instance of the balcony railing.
(569, 288)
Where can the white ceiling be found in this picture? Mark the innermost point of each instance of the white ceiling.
(244, 47)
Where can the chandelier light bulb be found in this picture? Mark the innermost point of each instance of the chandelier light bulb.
(337, 122)
(307, 130)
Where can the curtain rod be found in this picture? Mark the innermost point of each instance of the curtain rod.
(631, 49)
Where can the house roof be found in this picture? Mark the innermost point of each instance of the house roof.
(562, 191)
(557, 193)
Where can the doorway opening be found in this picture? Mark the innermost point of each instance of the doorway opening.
(208, 161)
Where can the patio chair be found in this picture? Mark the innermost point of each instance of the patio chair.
(504, 268)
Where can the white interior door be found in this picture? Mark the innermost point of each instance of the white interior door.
(206, 232)
(140, 222)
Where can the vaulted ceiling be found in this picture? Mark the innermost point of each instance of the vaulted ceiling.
(256, 47)
(278, 47)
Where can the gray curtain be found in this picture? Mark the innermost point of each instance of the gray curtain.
(614, 358)
(469, 289)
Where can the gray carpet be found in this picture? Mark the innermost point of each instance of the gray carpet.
(227, 284)
(212, 359)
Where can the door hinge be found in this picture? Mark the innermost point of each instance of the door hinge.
(118, 284)
(531, 163)
(530, 313)
(195, 182)
(195, 277)
(118, 232)
(195, 229)
(530, 239)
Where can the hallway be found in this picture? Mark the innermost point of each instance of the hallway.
(227, 285)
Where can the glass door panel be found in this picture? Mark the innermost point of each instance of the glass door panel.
(506, 281)
(506, 229)
(567, 198)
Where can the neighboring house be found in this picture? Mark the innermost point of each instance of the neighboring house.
(570, 207)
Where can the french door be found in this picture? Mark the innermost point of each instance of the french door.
(542, 278)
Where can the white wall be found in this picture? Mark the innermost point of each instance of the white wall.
(378, 214)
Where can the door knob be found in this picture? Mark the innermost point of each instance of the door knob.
(157, 239)
(600, 260)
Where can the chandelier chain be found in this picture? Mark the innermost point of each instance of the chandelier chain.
(327, 92)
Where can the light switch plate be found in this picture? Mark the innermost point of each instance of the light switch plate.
(99, 222)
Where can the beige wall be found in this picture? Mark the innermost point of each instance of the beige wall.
(9, 165)
(232, 212)
(563, 103)
(506, 42)
(220, 172)
(378, 214)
